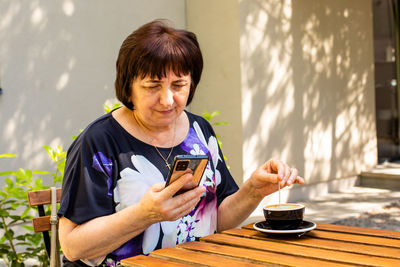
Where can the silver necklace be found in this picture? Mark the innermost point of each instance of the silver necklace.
(159, 153)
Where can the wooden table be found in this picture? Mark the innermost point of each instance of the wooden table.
(327, 245)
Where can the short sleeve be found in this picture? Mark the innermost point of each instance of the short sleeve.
(227, 186)
(88, 179)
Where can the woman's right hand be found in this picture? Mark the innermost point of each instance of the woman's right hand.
(160, 204)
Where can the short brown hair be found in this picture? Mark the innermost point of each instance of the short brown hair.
(154, 49)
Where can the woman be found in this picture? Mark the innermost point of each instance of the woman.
(114, 200)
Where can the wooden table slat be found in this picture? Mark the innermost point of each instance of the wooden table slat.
(198, 258)
(312, 240)
(351, 230)
(362, 239)
(143, 260)
(291, 249)
(351, 237)
(359, 230)
(327, 245)
(258, 256)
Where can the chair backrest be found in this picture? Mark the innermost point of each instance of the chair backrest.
(42, 223)
(39, 199)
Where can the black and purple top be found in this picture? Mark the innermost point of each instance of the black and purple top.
(107, 170)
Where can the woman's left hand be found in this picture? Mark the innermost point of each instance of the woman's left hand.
(264, 180)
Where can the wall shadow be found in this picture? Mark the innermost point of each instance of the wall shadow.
(308, 76)
(57, 68)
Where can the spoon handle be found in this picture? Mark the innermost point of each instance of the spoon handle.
(279, 191)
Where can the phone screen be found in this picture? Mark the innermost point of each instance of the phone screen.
(188, 163)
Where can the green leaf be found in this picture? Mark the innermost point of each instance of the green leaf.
(8, 155)
(50, 151)
(25, 213)
(215, 113)
(20, 237)
(9, 182)
(2, 241)
(221, 123)
(3, 195)
(4, 250)
(75, 136)
(41, 172)
(9, 234)
(206, 115)
(16, 263)
(4, 213)
(7, 173)
(38, 183)
(27, 227)
(108, 109)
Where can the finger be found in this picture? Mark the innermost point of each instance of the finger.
(293, 176)
(299, 180)
(187, 206)
(282, 171)
(267, 178)
(267, 166)
(277, 167)
(185, 202)
(188, 186)
(174, 187)
(191, 193)
(288, 172)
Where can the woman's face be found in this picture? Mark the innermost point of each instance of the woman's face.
(159, 102)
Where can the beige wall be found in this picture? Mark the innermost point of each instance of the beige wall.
(216, 24)
(307, 83)
(293, 78)
(57, 68)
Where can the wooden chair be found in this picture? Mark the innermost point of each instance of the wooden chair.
(44, 223)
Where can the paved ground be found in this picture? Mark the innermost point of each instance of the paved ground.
(358, 206)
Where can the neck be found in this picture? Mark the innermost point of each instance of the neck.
(161, 136)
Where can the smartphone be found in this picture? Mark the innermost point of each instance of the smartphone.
(196, 164)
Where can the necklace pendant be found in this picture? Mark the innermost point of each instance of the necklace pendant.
(168, 165)
(165, 159)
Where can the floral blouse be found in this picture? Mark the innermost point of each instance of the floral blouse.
(108, 169)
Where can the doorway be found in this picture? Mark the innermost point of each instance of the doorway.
(386, 47)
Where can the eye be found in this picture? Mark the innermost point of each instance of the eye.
(153, 87)
(179, 85)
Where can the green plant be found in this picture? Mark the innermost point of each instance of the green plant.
(15, 212)
(108, 109)
(17, 246)
(209, 117)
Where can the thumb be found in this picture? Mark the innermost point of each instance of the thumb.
(158, 187)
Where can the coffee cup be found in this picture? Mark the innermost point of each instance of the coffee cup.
(287, 216)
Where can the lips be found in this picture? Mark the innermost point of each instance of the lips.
(166, 112)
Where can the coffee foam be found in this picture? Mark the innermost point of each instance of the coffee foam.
(283, 207)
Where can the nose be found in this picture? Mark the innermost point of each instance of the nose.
(167, 97)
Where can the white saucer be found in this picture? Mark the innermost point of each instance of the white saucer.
(304, 227)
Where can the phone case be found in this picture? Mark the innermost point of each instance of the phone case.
(196, 163)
